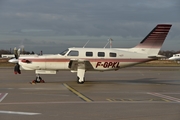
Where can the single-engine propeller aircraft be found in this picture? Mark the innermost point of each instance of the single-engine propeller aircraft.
(81, 60)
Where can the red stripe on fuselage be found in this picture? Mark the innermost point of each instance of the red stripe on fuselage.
(90, 60)
(47, 60)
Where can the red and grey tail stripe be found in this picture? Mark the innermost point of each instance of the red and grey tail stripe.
(156, 37)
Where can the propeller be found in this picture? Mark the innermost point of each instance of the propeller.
(17, 66)
(17, 69)
(16, 60)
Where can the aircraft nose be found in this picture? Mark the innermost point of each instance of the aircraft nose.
(171, 58)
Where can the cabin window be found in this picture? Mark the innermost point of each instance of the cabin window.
(73, 53)
(112, 54)
(89, 54)
(101, 54)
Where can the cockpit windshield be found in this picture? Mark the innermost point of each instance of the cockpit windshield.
(64, 52)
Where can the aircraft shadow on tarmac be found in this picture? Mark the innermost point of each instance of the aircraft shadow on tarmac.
(136, 81)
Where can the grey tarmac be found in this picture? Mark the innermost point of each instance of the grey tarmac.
(134, 93)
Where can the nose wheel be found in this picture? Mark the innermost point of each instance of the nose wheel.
(38, 79)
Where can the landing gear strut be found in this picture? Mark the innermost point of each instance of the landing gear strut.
(38, 79)
(80, 76)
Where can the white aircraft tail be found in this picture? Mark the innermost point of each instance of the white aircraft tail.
(152, 43)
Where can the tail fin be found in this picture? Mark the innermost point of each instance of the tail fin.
(152, 43)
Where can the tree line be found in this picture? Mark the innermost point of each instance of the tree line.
(11, 52)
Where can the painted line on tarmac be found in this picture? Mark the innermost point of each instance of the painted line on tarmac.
(137, 100)
(83, 97)
(18, 113)
(165, 96)
(2, 96)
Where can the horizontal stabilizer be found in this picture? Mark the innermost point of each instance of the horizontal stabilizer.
(157, 56)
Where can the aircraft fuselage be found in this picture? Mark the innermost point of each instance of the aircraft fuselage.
(100, 59)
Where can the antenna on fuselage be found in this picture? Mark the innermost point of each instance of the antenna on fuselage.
(86, 43)
(106, 44)
(109, 42)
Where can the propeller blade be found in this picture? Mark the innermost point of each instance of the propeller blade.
(18, 52)
(17, 69)
(15, 53)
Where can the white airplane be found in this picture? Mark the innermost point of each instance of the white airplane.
(81, 60)
(175, 57)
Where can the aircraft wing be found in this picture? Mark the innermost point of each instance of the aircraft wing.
(74, 64)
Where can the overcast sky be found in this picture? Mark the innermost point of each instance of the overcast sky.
(54, 25)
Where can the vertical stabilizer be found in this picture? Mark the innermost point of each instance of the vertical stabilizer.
(152, 43)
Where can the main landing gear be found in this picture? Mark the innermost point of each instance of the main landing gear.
(80, 76)
(38, 79)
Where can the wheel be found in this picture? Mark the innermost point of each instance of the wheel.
(39, 79)
(80, 82)
(42, 81)
(33, 82)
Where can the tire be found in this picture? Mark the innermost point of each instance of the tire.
(42, 81)
(79, 81)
